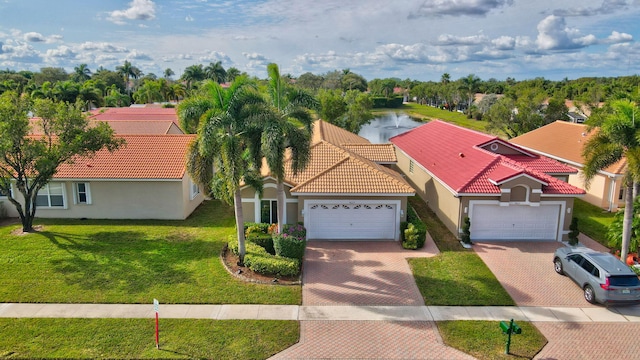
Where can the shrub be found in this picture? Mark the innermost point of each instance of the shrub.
(262, 226)
(289, 246)
(403, 227)
(573, 232)
(466, 231)
(253, 230)
(413, 218)
(410, 237)
(264, 240)
(297, 230)
(260, 261)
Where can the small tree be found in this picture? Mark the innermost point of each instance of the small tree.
(573, 232)
(466, 231)
(29, 162)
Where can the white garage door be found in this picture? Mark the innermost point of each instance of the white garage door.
(514, 222)
(351, 221)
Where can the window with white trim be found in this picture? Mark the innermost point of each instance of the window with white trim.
(51, 196)
(411, 166)
(82, 193)
(194, 189)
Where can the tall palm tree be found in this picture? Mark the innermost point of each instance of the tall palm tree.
(168, 73)
(232, 74)
(126, 70)
(227, 139)
(445, 78)
(192, 74)
(216, 72)
(280, 134)
(81, 73)
(618, 137)
(470, 85)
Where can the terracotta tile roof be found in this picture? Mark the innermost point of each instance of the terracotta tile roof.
(142, 157)
(563, 141)
(451, 154)
(333, 170)
(335, 135)
(128, 113)
(380, 153)
(141, 127)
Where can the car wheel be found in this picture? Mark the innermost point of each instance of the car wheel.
(557, 266)
(589, 294)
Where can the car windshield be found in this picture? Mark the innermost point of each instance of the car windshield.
(629, 280)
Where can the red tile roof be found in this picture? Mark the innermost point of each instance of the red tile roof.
(142, 157)
(128, 113)
(452, 154)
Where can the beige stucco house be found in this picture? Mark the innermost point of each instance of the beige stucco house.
(145, 179)
(347, 192)
(508, 193)
(564, 141)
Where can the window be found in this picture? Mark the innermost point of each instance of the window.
(621, 194)
(411, 166)
(194, 189)
(269, 211)
(82, 193)
(51, 195)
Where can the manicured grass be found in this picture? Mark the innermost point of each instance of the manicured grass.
(134, 338)
(592, 220)
(426, 112)
(456, 277)
(91, 261)
(484, 339)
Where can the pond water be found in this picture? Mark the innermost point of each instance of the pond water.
(380, 129)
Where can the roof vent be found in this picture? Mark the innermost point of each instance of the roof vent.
(584, 134)
(461, 155)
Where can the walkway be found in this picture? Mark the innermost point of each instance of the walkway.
(630, 314)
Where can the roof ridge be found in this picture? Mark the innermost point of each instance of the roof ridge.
(491, 137)
(320, 173)
(491, 165)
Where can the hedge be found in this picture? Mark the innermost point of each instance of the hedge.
(420, 228)
(264, 227)
(383, 102)
(259, 260)
(264, 240)
(289, 246)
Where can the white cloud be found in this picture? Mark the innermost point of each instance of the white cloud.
(504, 43)
(446, 39)
(432, 8)
(101, 46)
(213, 56)
(189, 18)
(138, 10)
(34, 37)
(617, 37)
(553, 34)
(253, 56)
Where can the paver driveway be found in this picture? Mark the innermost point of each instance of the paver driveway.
(525, 270)
(365, 273)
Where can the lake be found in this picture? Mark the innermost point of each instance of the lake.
(380, 129)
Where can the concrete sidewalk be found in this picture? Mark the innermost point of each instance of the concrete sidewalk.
(629, 314)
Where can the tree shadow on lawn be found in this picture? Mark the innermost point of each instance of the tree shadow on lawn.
(125, 261)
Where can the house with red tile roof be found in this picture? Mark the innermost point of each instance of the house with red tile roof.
(138, 120)
(507, 192)
(144, 179)
(564, 141)
(347, 191)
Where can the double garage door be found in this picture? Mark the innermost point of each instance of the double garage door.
(514, 222)
(351, 221)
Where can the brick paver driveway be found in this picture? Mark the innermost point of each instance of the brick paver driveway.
(525, 270)
(364, 273)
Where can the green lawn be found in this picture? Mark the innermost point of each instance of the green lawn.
(484, 339)
(134, 338)
(426, 112)
(91, 261)
(592, 220)
(456, 277)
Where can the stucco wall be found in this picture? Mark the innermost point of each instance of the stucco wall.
(168, 200)
(599, 191)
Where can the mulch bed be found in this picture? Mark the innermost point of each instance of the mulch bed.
(230, 261)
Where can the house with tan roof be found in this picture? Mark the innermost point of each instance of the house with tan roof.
(347, 191)
(507, 192)
(564, 141)
(145, 179)
(138, 120)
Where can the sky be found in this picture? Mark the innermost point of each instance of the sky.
(416, 39)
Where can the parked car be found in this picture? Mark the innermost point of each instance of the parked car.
(602, 276)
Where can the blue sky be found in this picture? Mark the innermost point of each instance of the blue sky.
(417, 39)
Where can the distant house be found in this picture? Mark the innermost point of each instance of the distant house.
(564, 141)
(576, 118)
(507, 192)
(145, 179)
(346, 192)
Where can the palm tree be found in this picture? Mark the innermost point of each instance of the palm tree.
(470, 85)
(168, 73)
(126, 70)
(232, 74)
(216, 72)
(227, 139)
(279, 133)
(81, 73)
(193, 73)
(617, 138)
(445, 78)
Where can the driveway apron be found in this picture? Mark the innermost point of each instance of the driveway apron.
(365, 273)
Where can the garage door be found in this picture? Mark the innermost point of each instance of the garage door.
(514, 222)
(351, 221)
